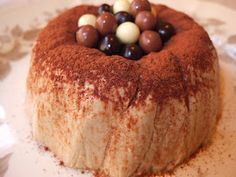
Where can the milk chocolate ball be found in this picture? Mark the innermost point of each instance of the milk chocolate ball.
(87, 36)
(106, 23)
(138, 6)
(150, 41)
(145, 20)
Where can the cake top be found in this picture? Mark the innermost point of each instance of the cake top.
(166, 73)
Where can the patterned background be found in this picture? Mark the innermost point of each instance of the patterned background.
(228, 3)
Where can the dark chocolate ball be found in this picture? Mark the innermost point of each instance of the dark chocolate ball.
(104, 8)
(150, 41)
(145, 20)
(87, 36)
(123, 16)
(106, 23)
(110, 45)
(138, 6)
(132, 51)
(166, 30)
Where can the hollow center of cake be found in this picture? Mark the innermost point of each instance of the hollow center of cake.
(131, 30)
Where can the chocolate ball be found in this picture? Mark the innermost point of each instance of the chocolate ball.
(123, 16)
(132, 51)
(104, 8)
(145, 20)
(87, 19)
(110, 45)
(121, 5)
(106, 23)
(166, 30)
(150, 41)
(128, 33)
(138, 6)
(87, 36)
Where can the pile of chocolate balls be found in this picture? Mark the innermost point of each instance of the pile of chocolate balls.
(127, 29)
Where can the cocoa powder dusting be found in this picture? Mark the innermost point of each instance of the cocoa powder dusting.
(61, 163)
(46, 148)
(154, 74)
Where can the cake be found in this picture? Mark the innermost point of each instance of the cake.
(122, 117)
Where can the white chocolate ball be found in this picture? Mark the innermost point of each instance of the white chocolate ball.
(128, 33)
(87, 19)
(121, 5)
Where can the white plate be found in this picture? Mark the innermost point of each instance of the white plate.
(20, 23)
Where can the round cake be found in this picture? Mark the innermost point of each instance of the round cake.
(118, 116)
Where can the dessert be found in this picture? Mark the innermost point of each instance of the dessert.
(129, 101)
(145, 20)
(150, 41)
(87, 36)
(130, 36)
